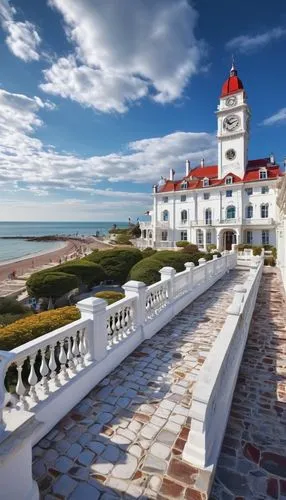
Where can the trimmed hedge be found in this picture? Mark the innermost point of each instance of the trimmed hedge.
(117, 263)
(86, 271)
(182, 244)
(51, 284)
(148, 269)
(110, 296)
(191, 248)
(32, 327)
(10, 305)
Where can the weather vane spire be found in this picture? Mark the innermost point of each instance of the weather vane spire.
(233, 71)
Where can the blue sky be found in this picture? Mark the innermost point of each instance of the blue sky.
(99, 99)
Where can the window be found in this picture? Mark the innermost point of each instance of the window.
(165, 215)
(208, 216)
(264, 189)
(249, 191)
(228, 193)
(228, 180)
(249, 212)
(249, 237)
(165, 199)
(164, 236)
(206, 196)
(144, 234)
(184, 216)
(205, 182)
(230, 212)
(265, 237)
(264, 210)
(184, 185)
(208, 237)
(184, 236)
(263, 173)
(183, 197)
(200, 237)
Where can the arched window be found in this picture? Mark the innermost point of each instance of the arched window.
(263, 173)
(228, 179)
(184, 216)
(208, 216)
(200, 237)
(165, 215)
(206, 182)
(150, 235)
(264, 210)
(230, 212)
(249, 212)
(144, 233)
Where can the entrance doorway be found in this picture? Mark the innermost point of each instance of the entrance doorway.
(229, 238)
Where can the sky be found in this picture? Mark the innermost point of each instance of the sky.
(98, 99)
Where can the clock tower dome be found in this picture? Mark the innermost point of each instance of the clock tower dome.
(233, 127)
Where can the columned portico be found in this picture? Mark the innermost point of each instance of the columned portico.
(228, 236)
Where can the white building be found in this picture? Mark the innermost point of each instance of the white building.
(281, 229)
(231, 202)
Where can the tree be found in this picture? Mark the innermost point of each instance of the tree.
(51, 284)
(117, 263)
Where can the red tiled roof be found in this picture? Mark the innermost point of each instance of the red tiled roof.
(197, 174)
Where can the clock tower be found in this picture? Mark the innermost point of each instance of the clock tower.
(233, 117)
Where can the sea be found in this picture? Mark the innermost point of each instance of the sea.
(14, 249)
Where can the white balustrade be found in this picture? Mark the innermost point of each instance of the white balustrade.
(47, 363)
(121, 321)
(180, 283)
(156, 299)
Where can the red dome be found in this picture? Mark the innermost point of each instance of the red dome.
(232, 84)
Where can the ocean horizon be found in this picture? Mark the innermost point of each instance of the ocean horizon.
(14, 249)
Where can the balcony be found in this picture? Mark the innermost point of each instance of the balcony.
(267, 221)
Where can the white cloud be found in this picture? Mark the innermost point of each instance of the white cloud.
(22, 37)
(124, 51)
(249, 44)
(278, 117)
(27, 166)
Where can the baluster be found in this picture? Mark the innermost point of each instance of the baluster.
(53, 366)
(20, 388)
(82, 348)
(33, 379)
(63, 360)
(114, 337)
(44, 371)
(71, 363)
(109, 332)
(75, 350)
(118, 324)
(132, 318)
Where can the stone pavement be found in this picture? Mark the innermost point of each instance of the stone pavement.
(252, 463)
(125, 439)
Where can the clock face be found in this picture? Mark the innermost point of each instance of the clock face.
(231, 122)
(230, 154)
(231, 101)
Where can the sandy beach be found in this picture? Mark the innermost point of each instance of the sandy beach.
(22, 266)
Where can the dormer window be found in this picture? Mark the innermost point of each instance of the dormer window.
(263, 173)
(184, 185)
(206, 182)
(228, 179)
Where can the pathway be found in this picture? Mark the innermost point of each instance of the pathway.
(125, 439)
(252, 463)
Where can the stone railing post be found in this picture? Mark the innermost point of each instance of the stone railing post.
(95, 310)
(202, 263)
(235, 307)
(137, 289)
(167, 274)
(190, 267)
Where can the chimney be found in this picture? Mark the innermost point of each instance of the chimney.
(202, 162)
(272, 159)
(188, 167)
(172, 174)
(155, 187)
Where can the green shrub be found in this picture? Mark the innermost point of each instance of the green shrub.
(148, 269)
(274, 252)
(50, 284)
(269, 261)
(182, 244)
(256, 250)
(217, 253)
(9, 305)
(34, 326)
(123, 239)
(208, 256)
(191, 248)
(8, 318)
(117, 263)
(110, 296)
(148, 252)
(211, 247)
(86, 271)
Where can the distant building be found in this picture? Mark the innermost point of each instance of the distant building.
(231, 202)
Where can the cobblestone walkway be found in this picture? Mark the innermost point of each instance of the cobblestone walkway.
(252, 463)
(125, 439)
